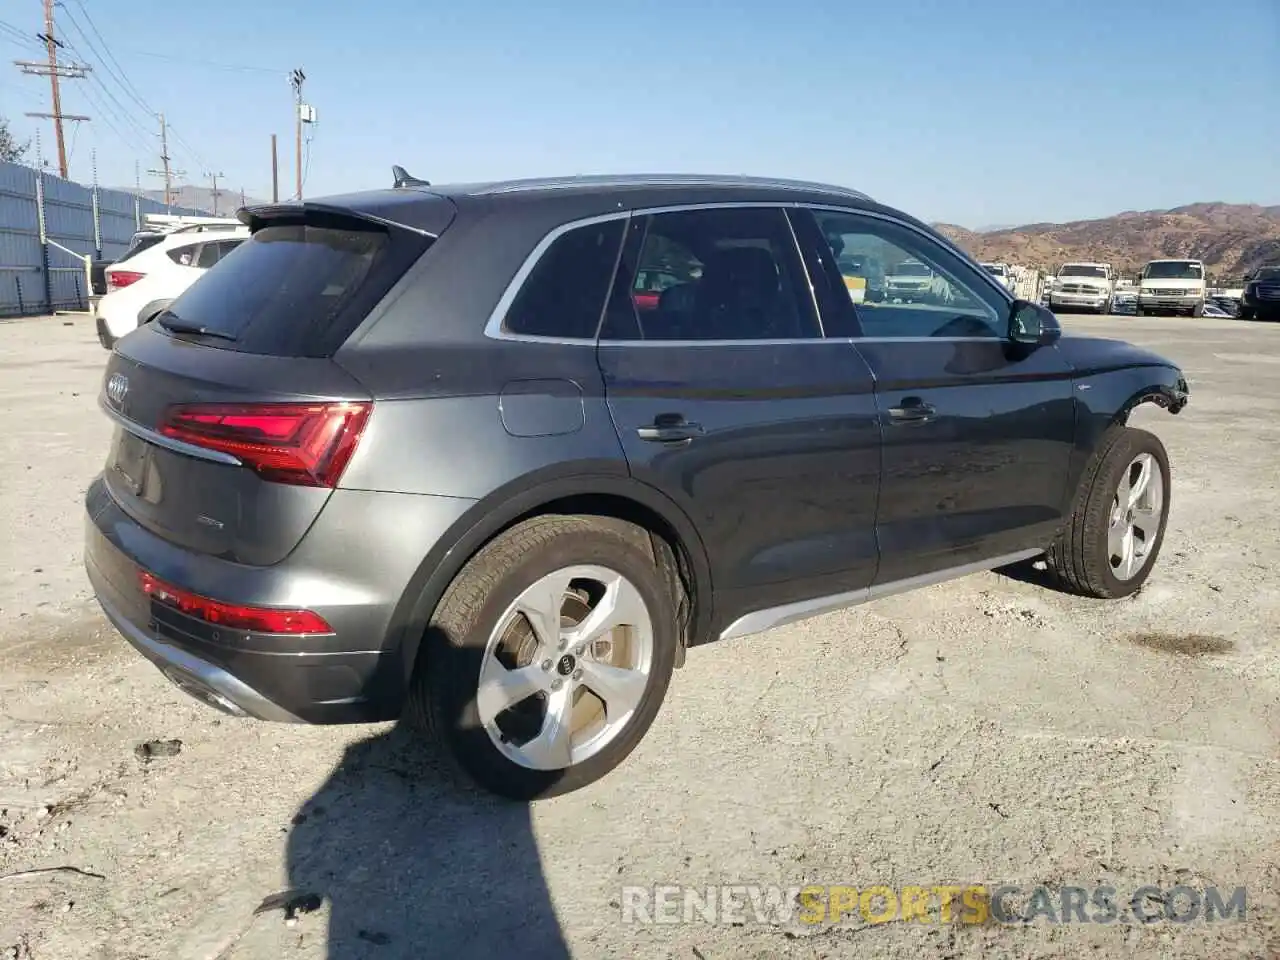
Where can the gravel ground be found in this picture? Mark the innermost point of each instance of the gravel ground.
(983, 731)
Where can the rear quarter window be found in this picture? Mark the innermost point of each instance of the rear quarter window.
(298, 289)
(564, 295)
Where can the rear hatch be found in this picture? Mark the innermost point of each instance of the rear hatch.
(233, 422)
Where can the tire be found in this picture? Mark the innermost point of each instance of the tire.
(1197, 310)
(444, 694)
(1081, 559)
(1139, 312)
(1245, 313)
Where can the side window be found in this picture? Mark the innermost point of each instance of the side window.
(904, 284)
(208, 255)
(564, 294)
(184, 256)
(712, 274)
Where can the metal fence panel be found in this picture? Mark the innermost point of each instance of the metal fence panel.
(38, 278)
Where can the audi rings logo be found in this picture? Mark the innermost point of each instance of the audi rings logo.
(117, 387)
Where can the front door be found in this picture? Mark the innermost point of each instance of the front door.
(726, 397)
(978, 430)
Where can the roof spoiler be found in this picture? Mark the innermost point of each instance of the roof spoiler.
(402, 178)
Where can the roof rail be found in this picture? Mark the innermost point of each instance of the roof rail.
(658, 180)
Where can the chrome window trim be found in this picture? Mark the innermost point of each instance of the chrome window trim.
(493, 326)
(169, 443)
(942, 241)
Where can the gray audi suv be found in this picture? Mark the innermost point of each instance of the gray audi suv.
(497, 455)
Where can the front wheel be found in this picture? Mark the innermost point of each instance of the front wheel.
(1139, 312)
(549, 655)
(1197, 310)
(1113, 536)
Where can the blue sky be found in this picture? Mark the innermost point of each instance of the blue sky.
(982, 112)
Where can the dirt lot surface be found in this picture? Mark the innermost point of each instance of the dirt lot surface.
(984, 731)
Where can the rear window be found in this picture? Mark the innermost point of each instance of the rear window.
(295, 289)
(140, 242)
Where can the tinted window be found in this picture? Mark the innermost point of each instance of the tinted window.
(926, 292)
(207, 256)
(722, 274)
(564, 295)
(184, 256)
(1172, 270)
(1079, 270)
(1268, 273)
(298, 290)
(140, 242)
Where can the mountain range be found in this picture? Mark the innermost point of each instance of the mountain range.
(1232, 239)
(200, 198)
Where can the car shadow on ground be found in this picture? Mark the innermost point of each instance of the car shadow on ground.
(1034, 571)
(414, 862)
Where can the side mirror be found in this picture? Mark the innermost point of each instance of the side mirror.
(1032, 323)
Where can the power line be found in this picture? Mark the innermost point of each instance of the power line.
(54, 71)
(127, 84)
(211, 64)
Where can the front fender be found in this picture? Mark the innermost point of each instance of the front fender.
(1105, 399)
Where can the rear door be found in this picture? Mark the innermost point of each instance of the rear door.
(978, 431)
(204, 454)
(726, 397)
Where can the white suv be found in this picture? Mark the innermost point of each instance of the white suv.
(1089, 286)
(143, 284)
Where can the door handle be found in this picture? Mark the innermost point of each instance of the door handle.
(670, 428)
(912, 410)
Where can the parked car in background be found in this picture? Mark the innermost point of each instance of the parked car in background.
(1172, 286)
(1213, 309)
(420, 448)
(1229, 305)
(1087, 286)
(1001, 272)
(909, 281)
(1125, 304)
(1261, 297)
(145, 281)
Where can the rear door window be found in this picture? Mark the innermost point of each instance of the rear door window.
(717, 274)
(297, 289)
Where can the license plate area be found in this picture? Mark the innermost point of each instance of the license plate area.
(132, 454)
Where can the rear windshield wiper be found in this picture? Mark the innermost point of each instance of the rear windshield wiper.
(175, 324)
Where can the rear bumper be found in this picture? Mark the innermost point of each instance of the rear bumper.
(104, 335)
(355, 675)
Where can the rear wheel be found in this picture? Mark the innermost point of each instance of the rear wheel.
(549, 655)
(1139, 312)
(1111, 540)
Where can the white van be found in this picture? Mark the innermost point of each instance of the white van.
(1176, 286)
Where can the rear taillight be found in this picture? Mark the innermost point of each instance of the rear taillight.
(231, 615)
(122, 278)
(306, 444)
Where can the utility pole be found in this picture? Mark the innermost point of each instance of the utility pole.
(296, 78)
(275, 172)
(54, 71)
(167, 172)
(215, 192)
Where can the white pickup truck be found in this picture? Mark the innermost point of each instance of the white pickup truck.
(1088, 286)
(1172, 286)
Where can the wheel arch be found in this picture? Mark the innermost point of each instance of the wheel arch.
(621, 497)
